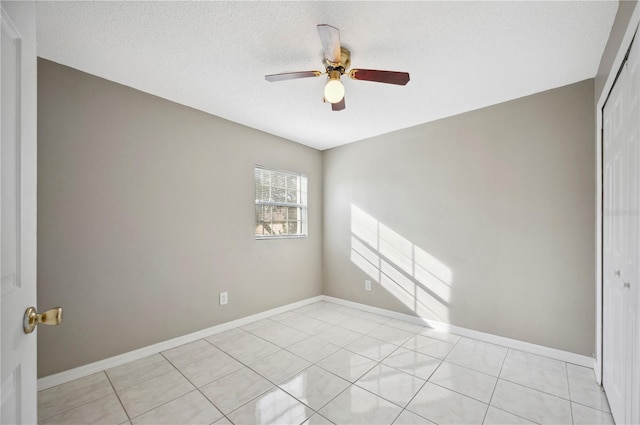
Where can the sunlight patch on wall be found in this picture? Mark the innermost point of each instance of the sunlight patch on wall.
(413, 276)
(400, 286)
(361, 261)
(364, 227)
(396, 248)
(432, 265)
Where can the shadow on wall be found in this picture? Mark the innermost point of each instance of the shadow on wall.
(416, 278)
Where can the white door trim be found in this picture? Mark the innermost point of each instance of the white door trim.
(617, 63)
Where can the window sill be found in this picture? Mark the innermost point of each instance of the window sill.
(263, 238)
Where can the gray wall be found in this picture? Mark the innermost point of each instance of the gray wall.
(483, 220)
(145, 213)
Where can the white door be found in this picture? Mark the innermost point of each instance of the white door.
(631, 277)
(621, 116)
(18, 212)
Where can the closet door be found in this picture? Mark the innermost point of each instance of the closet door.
(631, 282)
(620, 239)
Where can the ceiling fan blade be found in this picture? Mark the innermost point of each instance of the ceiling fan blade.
(292, 75)
(330, 38)
(338, 106)
(389, 77)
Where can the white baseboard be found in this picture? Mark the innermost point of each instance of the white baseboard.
(552, 353)
(82, 371)
(91, 368)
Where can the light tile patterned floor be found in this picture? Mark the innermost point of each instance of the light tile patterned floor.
(325, 363)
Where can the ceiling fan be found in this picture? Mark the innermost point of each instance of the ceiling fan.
(337, 60)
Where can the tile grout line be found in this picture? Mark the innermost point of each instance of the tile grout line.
(114, 390)
(402, 408)
(272, 343)
(590, 407)
(449, 389)
(74, 407)
(469, 368)
(519, 383)
(413, 398)
(117, 396)
(496, 385)
(583, 404)
(541, 392)
(566, 369)
(459, 393)
(419, 377)
(287, 349)
(532, 389)
(328, 371)
(219, 377)
(511, 413)
(380, 362)
(196, 389)
(275, 385)
(537, 390)
(334, 397)
(350, 384)
(453, 348)
(147, 380)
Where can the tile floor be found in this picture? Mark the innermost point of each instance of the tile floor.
(325, 363)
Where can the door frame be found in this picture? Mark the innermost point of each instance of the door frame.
(611, 77)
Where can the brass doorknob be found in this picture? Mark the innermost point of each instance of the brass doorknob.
(49, 317)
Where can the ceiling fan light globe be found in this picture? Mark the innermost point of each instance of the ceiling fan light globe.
(334, 91)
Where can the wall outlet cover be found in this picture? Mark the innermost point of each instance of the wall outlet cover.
(367, 285)
(224, 298)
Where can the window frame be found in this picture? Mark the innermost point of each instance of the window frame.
(304, 206)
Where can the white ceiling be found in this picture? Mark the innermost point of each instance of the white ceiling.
(213, 56)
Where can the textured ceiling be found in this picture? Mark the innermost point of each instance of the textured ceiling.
(213, 56)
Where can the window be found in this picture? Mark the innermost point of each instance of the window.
(281, 204)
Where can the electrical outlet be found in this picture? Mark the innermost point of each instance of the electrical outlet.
(367, 285)
(224, 298)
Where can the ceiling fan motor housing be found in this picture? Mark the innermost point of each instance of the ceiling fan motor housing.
(335, 73)
(343, 65)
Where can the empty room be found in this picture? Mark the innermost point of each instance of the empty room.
(320, 212)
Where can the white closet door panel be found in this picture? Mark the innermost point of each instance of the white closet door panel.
(621, 162)
(632, 275)
(616, 167)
